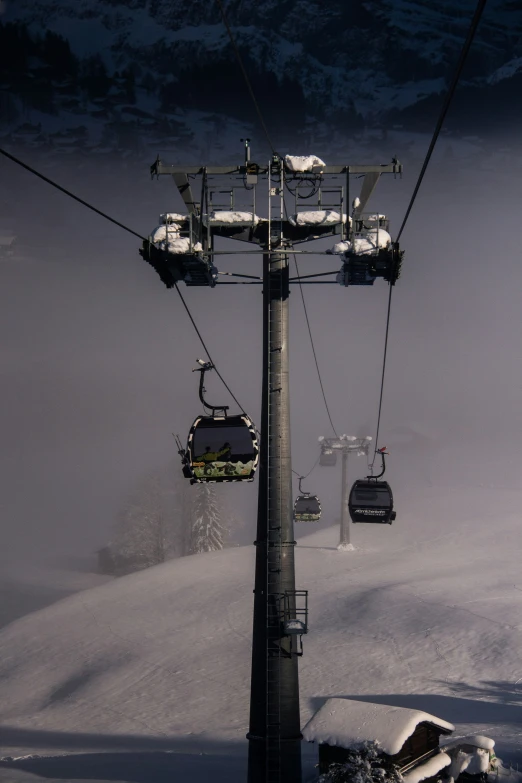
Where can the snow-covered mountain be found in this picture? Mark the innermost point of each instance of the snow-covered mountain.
(119, 74)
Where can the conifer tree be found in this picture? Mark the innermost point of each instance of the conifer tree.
(207, 529)
(142, 537)
(364, 765)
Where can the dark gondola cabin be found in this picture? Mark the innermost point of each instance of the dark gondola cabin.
(307, 508)
(222, 448)
(328, 458)
(371, 501)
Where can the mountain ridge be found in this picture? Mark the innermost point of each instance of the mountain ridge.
(126, 71)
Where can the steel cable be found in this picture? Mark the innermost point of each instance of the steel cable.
(451, 91)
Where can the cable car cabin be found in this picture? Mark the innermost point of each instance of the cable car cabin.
(371, 501)
(307, 508)
(328, 458)
(222, 449)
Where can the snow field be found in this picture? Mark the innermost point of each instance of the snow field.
(425, 614)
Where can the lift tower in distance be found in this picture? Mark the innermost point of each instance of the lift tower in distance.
(185, 250)
(345, 444)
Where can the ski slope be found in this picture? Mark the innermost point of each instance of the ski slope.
(425, 614)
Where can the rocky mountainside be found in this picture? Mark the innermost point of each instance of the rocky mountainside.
(111, 75)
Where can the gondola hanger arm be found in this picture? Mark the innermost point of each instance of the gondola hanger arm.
(383, 453)
(301, 490)
(205, 367)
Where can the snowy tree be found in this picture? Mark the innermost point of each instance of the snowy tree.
(179, 503)
(208, 531)
(165, 518)
(142, 537)
(155, 524)
(364, 765)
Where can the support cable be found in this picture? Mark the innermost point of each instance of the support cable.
(456, 76)
(263, 124)
(245, 75)
(225, 384)
(68, 193)
(445, 106)
(309, 472)
(382, 377)
(313, 348)
(130, 231)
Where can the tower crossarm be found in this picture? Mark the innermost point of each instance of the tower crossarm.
(160, 168)
(228, 201)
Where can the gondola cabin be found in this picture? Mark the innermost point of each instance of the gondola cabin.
(307, 508)
(328, 458)
(371, 501)
(222, 448)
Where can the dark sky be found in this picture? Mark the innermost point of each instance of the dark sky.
(96, 355)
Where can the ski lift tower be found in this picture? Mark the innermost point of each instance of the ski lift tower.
(222, 201)
(345, 444)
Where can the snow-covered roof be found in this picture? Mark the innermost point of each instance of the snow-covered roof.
(348, 723)
(318, 217)
(234, 218)
(430, 767)
(177, 244)
(476, 740)
(167, 237)
(162, 232)
(302, 163)
(369, 242)
(172, 217)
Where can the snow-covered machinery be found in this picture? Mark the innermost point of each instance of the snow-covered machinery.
(222, 201)
(175, 252)
(219, 447)
(369, 252)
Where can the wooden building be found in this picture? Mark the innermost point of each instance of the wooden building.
(405, 737)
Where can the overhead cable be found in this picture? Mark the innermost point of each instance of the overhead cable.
(130, 231)
(227, 387)
(445, 106)
(263, 124)
(382, 376)
(309, 472)
(245, 75)
(68, 193)
(451, 90)
(313, 348)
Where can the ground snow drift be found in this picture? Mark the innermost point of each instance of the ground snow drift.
(423, 614)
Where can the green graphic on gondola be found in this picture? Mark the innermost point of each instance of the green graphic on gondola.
(218, 468)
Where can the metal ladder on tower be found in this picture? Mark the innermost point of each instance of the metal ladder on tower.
(274, 500)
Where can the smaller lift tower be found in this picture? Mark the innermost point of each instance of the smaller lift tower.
(345, 445)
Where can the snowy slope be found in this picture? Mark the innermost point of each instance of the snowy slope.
(426, 614)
